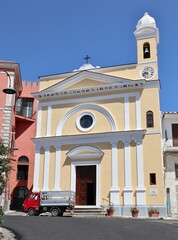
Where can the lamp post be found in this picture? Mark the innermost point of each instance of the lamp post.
(9, 89)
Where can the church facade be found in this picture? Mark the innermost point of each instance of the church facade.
(99, 132)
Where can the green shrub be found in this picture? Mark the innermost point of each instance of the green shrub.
(1, 216)
(4, 169)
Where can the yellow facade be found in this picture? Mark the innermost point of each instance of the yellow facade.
(99, 133)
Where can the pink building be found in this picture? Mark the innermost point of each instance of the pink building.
(17, 126)
(21, 179)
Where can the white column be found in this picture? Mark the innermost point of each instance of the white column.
(46, 168)
(128, 198)
(57, 169)
(38, 124)
(48, 127)
(36, 169)
(138, 112)
(114, 191)
(126, 112)
(140, 190)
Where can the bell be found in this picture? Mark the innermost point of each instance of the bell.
(146, 50)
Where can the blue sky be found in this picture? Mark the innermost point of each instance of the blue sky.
(53, 36)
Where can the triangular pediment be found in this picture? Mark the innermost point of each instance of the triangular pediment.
(84, 79)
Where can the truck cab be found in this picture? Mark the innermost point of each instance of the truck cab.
(32, 203)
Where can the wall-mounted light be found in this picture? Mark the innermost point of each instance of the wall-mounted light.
(9, 89)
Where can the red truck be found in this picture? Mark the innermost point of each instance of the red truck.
(55, 202)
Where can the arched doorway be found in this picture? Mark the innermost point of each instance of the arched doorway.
(20, 193)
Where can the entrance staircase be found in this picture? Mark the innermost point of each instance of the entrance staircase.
(86, 212)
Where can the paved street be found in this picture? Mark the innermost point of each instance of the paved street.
(76, 228)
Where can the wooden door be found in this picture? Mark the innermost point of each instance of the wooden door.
(86, 185)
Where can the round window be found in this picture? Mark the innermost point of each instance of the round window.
(85, 121)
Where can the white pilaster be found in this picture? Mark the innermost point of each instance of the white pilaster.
(36, 169)
(46, 168)
(48, 127)
(114, 191)
(57, 169)
(126, 112)
(39, 118)
(140, 190)
(138, 112)
(128, 198)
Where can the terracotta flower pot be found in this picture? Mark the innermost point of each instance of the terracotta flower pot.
(153, 214)
(135, 213)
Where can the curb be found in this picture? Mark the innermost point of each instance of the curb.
(6, 234)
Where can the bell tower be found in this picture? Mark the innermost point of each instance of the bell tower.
(147, 38)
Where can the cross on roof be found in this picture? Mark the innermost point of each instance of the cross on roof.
(87, 58)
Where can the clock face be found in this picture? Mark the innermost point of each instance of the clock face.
(147, 72)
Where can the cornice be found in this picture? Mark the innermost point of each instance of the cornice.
(130, 135)
(109, 88)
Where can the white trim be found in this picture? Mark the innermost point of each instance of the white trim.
(46, 168)
(140, 190)
(39, 118)
(138, 112)
(48, 127)
(80, 153)
(126, 112)
(73, 178)
(36, 169)
(84, 107)
(114, 191)
(57, 168)
(128, 200)
(78, 124)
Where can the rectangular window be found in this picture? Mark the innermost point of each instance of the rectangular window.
(152, 178)
(176, 170)
(175, 135)
(24, 107)
(22, 172)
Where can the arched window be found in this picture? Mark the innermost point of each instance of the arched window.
(149, 119)
(22, 168)
(146, 50)
(23, 159)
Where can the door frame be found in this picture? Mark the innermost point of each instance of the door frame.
(73, 179)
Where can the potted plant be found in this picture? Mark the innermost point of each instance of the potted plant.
(134, 211)
(110, 211)
(153, 212)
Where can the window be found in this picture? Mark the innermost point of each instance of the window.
(175, 135)
(85, 121)
(176, 170)
(146, 50)
(149, 119)
(24, 107)
(152, 178)
(23, 159)
(33, 196)
(22, 172)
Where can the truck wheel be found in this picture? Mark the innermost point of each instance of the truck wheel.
(55, 212)
(31, 211)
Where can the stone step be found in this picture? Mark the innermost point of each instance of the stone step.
(95, 212)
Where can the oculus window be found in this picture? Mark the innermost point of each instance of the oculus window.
(85, 121)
